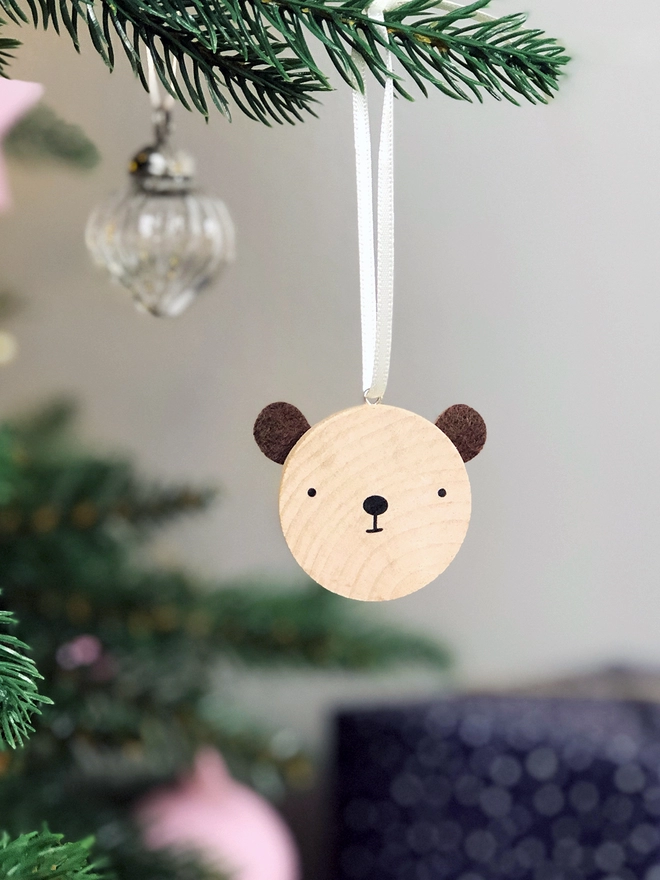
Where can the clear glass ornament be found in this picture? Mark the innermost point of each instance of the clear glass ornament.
(159, 237)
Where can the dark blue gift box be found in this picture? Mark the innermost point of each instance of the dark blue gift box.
(478, 788)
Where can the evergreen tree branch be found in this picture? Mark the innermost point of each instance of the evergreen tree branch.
(41, 855)
(257, 51)
(42, 136)
(214, 56)
(19, 696)
(42, 431)
(280, 88)
(310, 628)
(6, 56)
(500, 57)
(177, 626)
(45, 489)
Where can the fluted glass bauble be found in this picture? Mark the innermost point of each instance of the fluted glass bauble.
(159, 237)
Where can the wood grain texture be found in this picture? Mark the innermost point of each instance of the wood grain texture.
(370, 451)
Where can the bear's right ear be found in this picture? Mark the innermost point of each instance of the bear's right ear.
(465, 428)
(278, 428)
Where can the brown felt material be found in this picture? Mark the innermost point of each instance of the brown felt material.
(465, 428)
(278, 428)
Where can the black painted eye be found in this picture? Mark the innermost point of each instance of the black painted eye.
(442, 492)
(312, 492)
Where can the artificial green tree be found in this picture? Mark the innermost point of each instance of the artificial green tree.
(127, 650)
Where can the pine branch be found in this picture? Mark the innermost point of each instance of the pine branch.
(44, 429)
(180, 626)
(41, 855)
(42, 136)
(309, 628)
(46, 488)
(257, 51)
(213, 54)
(19, 696)
(6, 57)
(499, 57)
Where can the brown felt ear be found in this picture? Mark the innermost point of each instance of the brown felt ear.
(465, 428)
(278, 428)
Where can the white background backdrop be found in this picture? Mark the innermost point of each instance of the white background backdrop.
(528, 268)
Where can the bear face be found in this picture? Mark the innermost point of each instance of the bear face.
(375, 500)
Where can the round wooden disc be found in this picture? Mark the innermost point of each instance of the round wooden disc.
(338, 479)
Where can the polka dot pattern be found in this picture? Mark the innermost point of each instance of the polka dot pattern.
(496, 788)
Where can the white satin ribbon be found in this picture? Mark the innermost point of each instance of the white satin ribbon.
(376, 274)
(158, 100)
(377, 261)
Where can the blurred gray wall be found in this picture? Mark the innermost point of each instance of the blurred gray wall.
(528, 268)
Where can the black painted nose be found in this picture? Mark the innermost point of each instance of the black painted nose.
(374, 505)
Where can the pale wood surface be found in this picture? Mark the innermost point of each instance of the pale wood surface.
(360, 452)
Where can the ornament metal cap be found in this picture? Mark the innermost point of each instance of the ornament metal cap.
(158, 168)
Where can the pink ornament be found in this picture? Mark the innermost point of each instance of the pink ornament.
(16, 98)
(81, 651)
(231, 826)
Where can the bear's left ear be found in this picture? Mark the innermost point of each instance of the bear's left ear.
(278, 428)
(465, 428)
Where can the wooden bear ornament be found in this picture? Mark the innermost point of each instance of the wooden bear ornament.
(375, 500)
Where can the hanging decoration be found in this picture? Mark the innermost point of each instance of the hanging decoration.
(231, 827)
(160, 237)
(374, 501)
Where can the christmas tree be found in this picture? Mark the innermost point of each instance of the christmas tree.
(126, 650)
